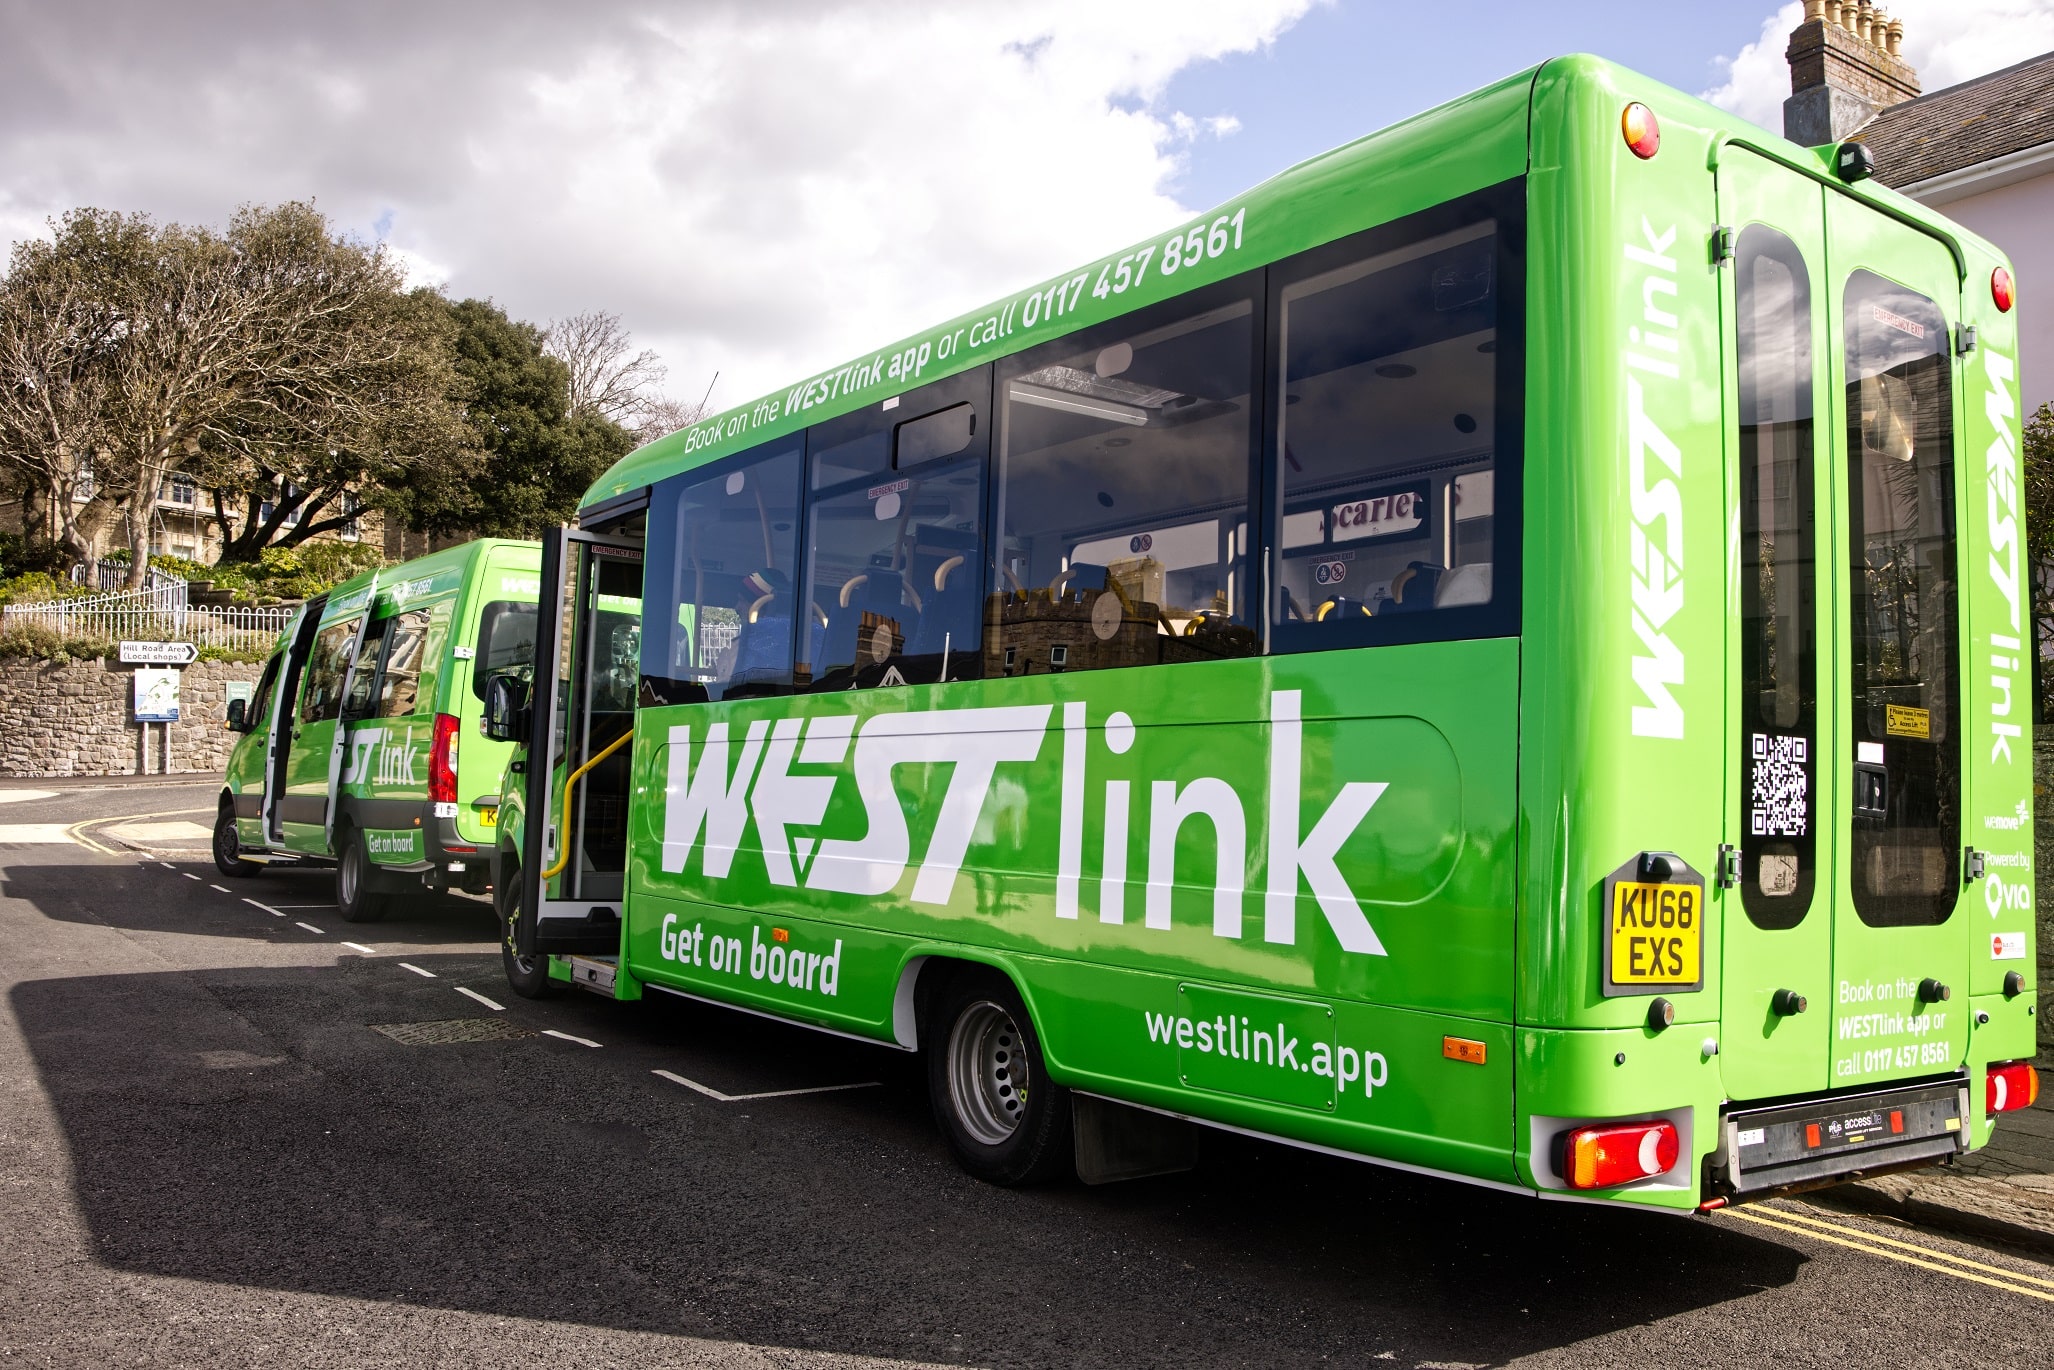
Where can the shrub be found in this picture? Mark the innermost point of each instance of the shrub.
(37, 587)
(38, 641)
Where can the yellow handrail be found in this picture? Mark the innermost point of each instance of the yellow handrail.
(564, 857)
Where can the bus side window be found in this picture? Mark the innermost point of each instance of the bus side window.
(1125, 466)
(399, 687)
(722, 556)
(326, 665)
(1388, 427)
(365, 680)
(895, 539)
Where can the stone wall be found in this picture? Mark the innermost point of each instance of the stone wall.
(79, 719)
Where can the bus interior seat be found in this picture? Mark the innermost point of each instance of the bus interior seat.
(950, 617)
(1469, 584)
(878, 591)
(1412, 589)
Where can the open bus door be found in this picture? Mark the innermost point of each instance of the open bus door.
(338, 746)
(582, 712)
(284, 713)
(1844, 955)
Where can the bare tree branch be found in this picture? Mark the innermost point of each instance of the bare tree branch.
(606, 382)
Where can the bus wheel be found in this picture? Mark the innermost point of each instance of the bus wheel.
(354, 897)
(527, 976)
(1005, 1121)
(228, 845)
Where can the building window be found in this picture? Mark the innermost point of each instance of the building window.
(351, 529)
(180, 490)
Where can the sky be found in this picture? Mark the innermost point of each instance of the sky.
(765, 189)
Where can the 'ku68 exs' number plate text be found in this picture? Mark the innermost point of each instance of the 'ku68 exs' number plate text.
(1655, 933)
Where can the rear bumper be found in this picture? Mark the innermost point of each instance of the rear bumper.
(1805, 1143)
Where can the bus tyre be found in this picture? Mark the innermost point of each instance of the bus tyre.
(527, 976)
(356, 898)
(1005, 1121)
(228, 845)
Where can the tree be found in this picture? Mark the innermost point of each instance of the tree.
(59, 335)
(536, 457)
(306, 462)
(605, 381)
(2039, 530)
(664, 415)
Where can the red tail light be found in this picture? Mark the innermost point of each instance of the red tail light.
(442, 760)
(1638, 126)
(2010, 1086)
(2002, 293)
(1602, 1156)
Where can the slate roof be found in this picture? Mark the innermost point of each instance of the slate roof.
(1961, 126)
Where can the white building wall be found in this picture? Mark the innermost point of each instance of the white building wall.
(2011, 202)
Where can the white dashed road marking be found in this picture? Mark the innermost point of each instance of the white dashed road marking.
(496, 1008)
(311, 928)
(223, 888)
(712, 1093)
(359, 946)
(581, 1041)
(407, 965)
(189, 875)
(267, 908)
(167, 865)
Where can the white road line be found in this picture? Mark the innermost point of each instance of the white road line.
(713, 1093)
(311, 928)
(167, 865)
(359, 946)
(189, 875)
(581, 1041)
(405, 965)
(496, 1008)
(266, 907)
(223, 888)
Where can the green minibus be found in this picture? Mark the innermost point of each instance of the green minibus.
(1501, 652)
(361, 746)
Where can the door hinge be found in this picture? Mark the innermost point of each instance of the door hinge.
(1964, 339)
(1722, 244)
(1728, 865)
(1971, 865)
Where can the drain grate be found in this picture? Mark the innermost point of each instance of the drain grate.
(452, 1030)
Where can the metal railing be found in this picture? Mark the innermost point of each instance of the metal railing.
(113, 576)
(159, 614)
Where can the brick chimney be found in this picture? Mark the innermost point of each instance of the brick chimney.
(1844, 70)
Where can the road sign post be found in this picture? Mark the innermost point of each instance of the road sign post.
(157, 691)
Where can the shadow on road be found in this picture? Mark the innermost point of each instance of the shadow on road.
(246, 1126)
(148, 898)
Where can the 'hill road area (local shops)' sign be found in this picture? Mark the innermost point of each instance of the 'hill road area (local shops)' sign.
(159, 653)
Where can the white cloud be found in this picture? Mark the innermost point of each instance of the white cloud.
(1948, 41)
(763, 189)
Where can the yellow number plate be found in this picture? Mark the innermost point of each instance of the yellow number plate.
(1658, 933)
(489, 817)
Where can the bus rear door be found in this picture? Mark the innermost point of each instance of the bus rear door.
(1900, 957)
(587, 669)
(1845, 764)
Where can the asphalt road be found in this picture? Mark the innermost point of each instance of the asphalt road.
(222, 1141)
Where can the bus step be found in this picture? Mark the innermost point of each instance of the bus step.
(594, 973)
(263, 858)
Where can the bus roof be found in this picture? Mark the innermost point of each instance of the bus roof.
(1475, 140)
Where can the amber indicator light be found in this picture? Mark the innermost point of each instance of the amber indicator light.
(1462, 1049)
(1642, 133)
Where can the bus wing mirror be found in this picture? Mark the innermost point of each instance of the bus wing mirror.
(506, 708)
(238, 721)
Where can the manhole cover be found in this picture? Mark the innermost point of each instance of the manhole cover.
(452, 1030)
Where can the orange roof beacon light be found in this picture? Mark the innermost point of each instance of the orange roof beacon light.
(1642, 133)
(2002, 290)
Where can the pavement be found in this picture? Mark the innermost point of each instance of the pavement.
(234, 1130)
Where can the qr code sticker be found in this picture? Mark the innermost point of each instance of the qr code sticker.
(1779, 785)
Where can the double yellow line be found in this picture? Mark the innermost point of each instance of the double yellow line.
(1926, 1258)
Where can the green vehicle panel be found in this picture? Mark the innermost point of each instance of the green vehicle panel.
(1742, 730)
